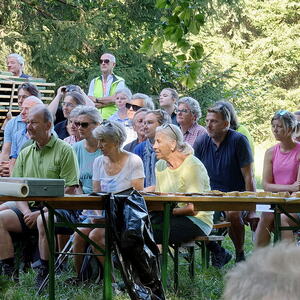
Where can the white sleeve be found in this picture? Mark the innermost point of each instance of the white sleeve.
(91, 88)
(121, 85)
(97, 168)
(136, 167)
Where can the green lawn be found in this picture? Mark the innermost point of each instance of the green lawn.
(208, 284)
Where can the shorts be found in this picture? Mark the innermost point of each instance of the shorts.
(182, 229)
(70, 215)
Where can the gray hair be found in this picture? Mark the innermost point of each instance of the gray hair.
(148, 102)
(234, 124)
(126, 91)
(30, 88)
(193, 106)
(41, 108)
(111, 131)
(113, 58)
(270, 273)
(174, 132)
(221, 109)
(89, 111)
(18, 57)
(77, 97)
(162, 116)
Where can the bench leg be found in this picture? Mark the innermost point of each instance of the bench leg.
(192, 262)
(176, 267)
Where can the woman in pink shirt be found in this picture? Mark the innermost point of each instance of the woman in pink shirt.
(280, 172)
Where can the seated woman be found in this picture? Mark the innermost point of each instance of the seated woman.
(280, 172)
(116, 170)
(122, 97)
(179, 171)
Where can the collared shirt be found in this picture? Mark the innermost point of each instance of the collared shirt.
(12, 127)
(115, 117)
(106, 89)
(19, 139)
(55, 160)
(61, 129)
(224, 163)
(174, 118)
(192, 133)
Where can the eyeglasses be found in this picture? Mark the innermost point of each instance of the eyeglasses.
(68, 104)
(132, 106)
(166, 125)
(83, 124)
(106, 61)
(186, 111)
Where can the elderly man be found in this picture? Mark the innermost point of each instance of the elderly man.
(188, 114)
(47, 157)
(103, 88)
(227, 156)
(15, 64)
(25, 90)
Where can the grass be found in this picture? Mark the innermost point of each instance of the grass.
(208, 284)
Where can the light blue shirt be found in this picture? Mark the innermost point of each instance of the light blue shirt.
(85, 162)
(12, 127)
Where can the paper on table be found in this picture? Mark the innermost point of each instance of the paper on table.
(14, 189)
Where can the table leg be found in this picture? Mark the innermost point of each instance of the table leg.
(165, 244)
(277, 224)
(51, 242)
(107, 288)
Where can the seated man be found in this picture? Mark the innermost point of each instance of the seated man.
(47, 157)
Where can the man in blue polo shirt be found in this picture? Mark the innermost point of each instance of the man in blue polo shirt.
(228, 159)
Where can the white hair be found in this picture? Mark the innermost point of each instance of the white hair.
(18, 57)
(112, 57)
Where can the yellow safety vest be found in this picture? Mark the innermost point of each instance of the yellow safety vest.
(109, 110)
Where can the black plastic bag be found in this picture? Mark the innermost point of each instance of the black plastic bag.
(134, 245)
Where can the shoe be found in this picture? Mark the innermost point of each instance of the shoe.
(75, 281)
(220, 258)
(10, 272)
(43, 271)
(240, 257)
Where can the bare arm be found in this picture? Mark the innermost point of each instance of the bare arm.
(71, 190)
(104, 101)
(187, 210)
(53, 106)
(138, 184)
(248, 175)
(268, 180)
(96, 186)
(4, 156)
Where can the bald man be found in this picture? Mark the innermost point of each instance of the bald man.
(103, 88)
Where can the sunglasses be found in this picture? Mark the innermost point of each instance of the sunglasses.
(133, 106)
(106, 61)
(83, 124)
(166, 125)
(281, 112)
(106, 124)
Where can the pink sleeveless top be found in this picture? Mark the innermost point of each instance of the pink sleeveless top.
(285, 165)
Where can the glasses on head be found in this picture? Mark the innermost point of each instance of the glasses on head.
(105, 61)
(83, 124)
(133, 106)
(185, 111)
(72, 88)
(68, 104)
(166, 125)
(281, 112)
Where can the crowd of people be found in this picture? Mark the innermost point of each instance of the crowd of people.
(109, 140)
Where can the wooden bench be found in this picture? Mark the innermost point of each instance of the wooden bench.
(219, 231)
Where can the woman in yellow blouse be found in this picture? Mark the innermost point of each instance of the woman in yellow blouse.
(179, 171)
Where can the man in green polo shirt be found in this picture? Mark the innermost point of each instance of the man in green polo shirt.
(103, 88)
(47, 157)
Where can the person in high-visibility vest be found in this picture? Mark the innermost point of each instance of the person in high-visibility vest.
(103, 88)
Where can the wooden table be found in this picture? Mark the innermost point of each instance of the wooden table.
(155, 202)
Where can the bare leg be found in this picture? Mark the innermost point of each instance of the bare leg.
(98, 236)
(79, 245)
(286, 221)
(236, 230)
(264, 228)
(9, 222)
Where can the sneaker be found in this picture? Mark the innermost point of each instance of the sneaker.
(220, 259)
(43, 271)
(10, 272)
(240, 257)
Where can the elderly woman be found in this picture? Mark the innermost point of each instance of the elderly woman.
(87, 119)
(71, 100)
(281, 172)
(188, 114)
(116, 170)
(138, 101)
(122, 97)
(167, 101)
(179, 171)
(153, 119)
